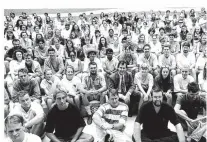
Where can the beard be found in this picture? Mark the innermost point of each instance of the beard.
(157, 103)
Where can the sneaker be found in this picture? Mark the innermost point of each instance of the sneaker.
(89, 120)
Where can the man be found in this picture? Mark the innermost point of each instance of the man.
(65, 33)
(154, 116)
(54, 63)
(111, 119)
(174, 45)
(93, 88)
(59, 48)
(202, 59)
(155, 45)
(181, 81)
(33, 67)
(65, 120)
(187, 107)
(150, 59)
(123, 82)
(129, 42)
(110, 39)
(14, 125)
(16, 44)
(32, 113)
(27, 84)
(186, 58)
(168, 60)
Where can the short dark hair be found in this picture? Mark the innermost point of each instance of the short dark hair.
(40, 40)
(156, 90)
(92, 63)
(51, 49)
(186, 44)
(122, 63)
(161, 29)
(22, 93)
(193, 87)
(146, 45)
(59, 90)
(14, 119)
(24, 70)
(109, 50)
(112, 92)
(15, 40)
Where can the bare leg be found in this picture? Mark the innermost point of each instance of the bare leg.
(38, 129)
(85, 138)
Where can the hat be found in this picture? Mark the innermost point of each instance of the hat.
(91, 49)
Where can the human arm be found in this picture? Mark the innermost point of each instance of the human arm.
(177, 85)
(180, 133)
(180, 112)
(61, 66)
(52, 137)
(77, 134)
(137, 132)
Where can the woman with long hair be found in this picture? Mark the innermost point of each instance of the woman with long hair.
(18, 24)
(69, 47)
(164, 81)
(141, 43)
(201, 45)
(202, 80)
(102, 47)
(76, 30)
(8, 40)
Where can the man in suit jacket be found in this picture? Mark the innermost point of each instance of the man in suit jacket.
(123, 82)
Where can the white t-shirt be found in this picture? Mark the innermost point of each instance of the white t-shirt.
(201, 81)
(28, 138)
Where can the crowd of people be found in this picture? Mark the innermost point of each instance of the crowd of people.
(107, 68)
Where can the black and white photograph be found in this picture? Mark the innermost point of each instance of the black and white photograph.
(104, 74)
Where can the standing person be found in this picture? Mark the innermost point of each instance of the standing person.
(111, 118)
(14, 125)
(187, 108)
(65, 119)
(154, 116)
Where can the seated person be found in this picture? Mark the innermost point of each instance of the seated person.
(14, 65)
(27, 84)
(64, 118)
(75, 63)
(144, 83)
(186, 58)
(122, 81)
(111, 119)
(187, 107)
(59, 48)
(154, 116)
(150, 59)
(93, 88)
(32, 113)
(202, 59)
(167, 59)
(181, 81)
(54, 63)
(164, 81)
(202, 81)
(33, 67)
(14, 125)
(6, 103)
(129, 57)
(91, 57)
(71, 83)
(49, 85)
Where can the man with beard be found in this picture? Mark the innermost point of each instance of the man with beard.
(27, 84)
(187, 107)
(93, 88)
(65, 119)
(14, 125)
(32, 113)
(154, 116)
(33, 67)
(186, 58)
(16, 44)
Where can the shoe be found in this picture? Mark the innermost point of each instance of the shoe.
(89, 120)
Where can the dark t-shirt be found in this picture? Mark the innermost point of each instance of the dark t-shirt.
(64, 122)
(155, 124)
(191, 107)
(11, 51)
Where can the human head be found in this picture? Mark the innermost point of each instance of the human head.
(28, 58)
(14, 127)
(111, 32)
(147, 49)
(186, 47)
(113, 97)
(91, 54)
(60, 97)
(48, 74)
(185, 71)
(16, 43)
(122, 67)
(144, 69)
(166, 50)
(18, 55)
(24, 99)
(52, 53)
(23, 75)
(92, 68)
(157, 97)
(69, 72)
(109, 53)
(164, 72)
(193, 90)
(72, 55)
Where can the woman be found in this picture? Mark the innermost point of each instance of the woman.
(102, 46)
(183, 33)
(76, 30)
(164, 81)
(201, 45)
(75, 63)
(144, 83)
(116, 47)
(198, 32)
(36, 31)
(48, 86)
(69, 47)
(18, 24)
(189, 39)
(141, 43)
(202, 80)
(192, 13)
(25, 42)
(8, 40)
(87, 45)
(76, 40)
(116, 29)
(37, 39)
(30, 28)
(96, 38)
(15, 64)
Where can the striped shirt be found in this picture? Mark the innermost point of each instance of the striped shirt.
(113, 115)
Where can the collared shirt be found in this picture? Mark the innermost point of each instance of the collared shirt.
(35, 110)
(113, 115)
(87, 61)
(90, 84)
(148, 80)
(151, 61)
(26, 43)
(180, 83)
(59, 65)
(201, 62)
(71, 86)
(110, 65)
(60, 51)
(14, 66)
(182, 60)
(28, 137)
(156, 48)
(170, 61)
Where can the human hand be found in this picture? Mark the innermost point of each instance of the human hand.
(145, 98)
(111, 137)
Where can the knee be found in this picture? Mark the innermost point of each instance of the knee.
(90, 138)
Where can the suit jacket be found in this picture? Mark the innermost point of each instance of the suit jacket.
(114, 80)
